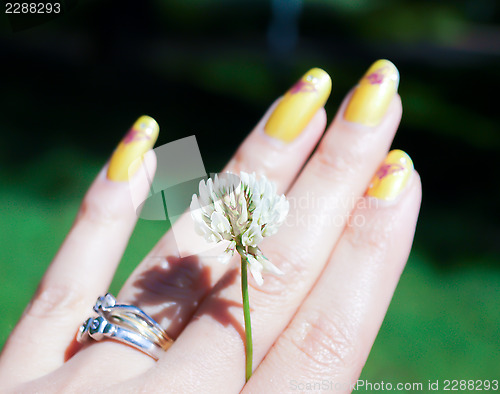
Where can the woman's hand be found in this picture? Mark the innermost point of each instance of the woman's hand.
(353, 211)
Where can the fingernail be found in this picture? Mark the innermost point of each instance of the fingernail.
(299, 105)
(374, 93)
(392, 176)
(139, 139)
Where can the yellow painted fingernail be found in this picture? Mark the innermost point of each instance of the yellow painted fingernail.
(374, 93)
(392, 176)
(139, 139)
(298, 105)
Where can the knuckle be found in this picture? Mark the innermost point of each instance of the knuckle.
(338, 162)
(324, 342)
(97, 211)
(268, 164)
(243, 160)
(55, 300)
(288, 260)
(373, 233)
(296, 257)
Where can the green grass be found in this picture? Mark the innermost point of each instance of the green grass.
(440, 325)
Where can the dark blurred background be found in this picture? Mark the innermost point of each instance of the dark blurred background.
(72, 86)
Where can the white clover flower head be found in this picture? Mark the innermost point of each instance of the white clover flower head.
(243, 211)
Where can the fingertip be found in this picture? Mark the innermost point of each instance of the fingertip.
(140, 138)
(299, 105)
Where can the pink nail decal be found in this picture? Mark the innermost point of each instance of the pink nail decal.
(377, 77)
(388, 169)
(303, 86)
(135, 135)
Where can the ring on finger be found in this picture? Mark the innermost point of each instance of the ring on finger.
(127, 324)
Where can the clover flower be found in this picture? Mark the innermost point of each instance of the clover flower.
(242, 211)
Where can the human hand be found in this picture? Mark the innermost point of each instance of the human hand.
(352, 217)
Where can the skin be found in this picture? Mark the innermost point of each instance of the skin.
(317, 321)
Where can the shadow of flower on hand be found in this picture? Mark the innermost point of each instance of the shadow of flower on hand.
(171, 293)
(219, 308)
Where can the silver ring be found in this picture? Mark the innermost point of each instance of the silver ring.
(125, 323)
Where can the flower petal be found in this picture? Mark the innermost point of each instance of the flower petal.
(204, 194)
(255, 269)
(268, 267)
(253, 236)
(219, 223)
(242, 209)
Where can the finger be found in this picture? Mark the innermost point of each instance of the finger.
(85, 264)
(169, 287)
(283, 140)
(333, 331)
(337, 174)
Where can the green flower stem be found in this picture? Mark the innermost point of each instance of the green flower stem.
(246, 313)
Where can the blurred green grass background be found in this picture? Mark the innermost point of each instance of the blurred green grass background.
(74, 85)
